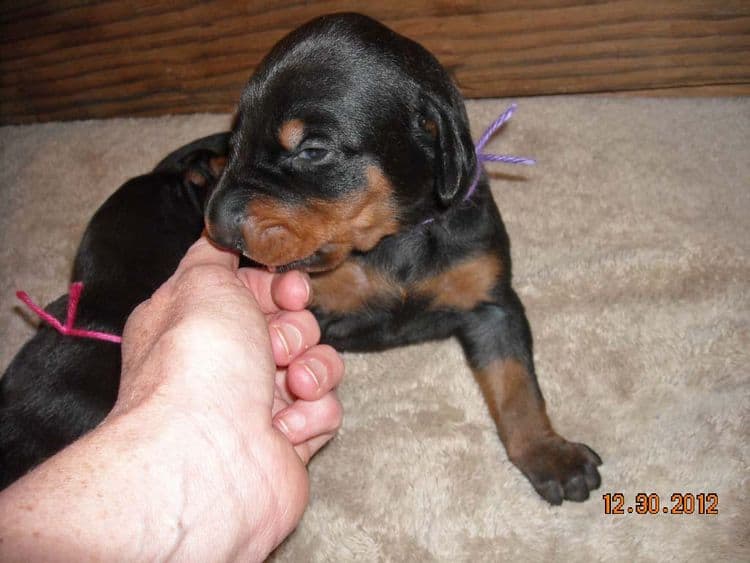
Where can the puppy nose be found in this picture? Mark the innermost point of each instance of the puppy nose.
(224, 220)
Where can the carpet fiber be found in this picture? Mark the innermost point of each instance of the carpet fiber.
(631, 248)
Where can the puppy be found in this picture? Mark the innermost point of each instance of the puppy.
(57, 387)
(351, 158)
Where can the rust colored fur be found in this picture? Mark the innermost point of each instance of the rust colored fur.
(277, 232)
(290, 133)
(464, 285)
(352, 287)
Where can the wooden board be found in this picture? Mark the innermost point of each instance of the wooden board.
(74, 59)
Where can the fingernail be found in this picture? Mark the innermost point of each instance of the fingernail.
(290, 336)
(289, 422)
(308, 289)
(316, 369)
(281, 425)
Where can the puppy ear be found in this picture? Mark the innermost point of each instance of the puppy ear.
(454, 157)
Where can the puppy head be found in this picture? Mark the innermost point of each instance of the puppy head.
(346, 134)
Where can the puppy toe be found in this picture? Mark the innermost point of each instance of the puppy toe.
(576, 489)
(591, 474)
(551, 491)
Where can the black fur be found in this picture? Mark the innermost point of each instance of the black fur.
(57, 388)
(369, 99)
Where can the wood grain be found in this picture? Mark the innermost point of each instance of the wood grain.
(73, 59)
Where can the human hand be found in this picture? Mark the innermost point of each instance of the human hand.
(233, 355)
(224, 397)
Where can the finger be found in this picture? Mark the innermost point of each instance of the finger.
(304, 420)
(315, 372)
(291, 334)
(306, 450)
(290, 291)
(203, 252)
(259, 283)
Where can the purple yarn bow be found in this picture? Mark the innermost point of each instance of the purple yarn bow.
(489, 157)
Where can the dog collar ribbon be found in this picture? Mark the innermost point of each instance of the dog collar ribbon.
(67, 329)
(489, 157)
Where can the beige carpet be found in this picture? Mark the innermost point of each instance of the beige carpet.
(631, 242)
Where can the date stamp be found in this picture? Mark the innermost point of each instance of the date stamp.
(704, 504)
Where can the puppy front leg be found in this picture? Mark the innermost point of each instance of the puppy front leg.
(497, 341)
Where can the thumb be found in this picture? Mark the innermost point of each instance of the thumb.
(204, 253)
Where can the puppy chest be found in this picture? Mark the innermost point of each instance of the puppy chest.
(354, 286)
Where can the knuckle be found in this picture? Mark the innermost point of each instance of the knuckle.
(194, 276)
(141, 310)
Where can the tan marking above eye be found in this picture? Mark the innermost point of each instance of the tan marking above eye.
(430, 126)
(217, 164)
(196, 178)
(291, 133)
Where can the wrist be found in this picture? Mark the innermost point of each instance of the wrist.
(204, 494)
(145, 489)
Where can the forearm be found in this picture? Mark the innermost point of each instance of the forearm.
(126, 491)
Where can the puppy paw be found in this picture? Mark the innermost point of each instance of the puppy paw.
(559, 469)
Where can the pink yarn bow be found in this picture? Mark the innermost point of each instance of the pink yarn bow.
(67, 329)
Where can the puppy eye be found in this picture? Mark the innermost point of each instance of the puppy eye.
(313, 154)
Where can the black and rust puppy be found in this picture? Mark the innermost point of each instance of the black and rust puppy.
(351, 158)
(57, 388)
